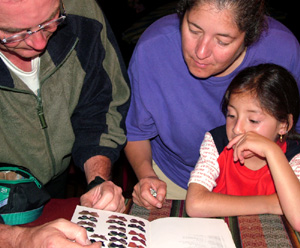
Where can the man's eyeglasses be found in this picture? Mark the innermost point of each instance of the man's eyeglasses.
(48, 27)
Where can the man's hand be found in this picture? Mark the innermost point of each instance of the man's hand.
(106, 196)
(142, 193)
(56, 234)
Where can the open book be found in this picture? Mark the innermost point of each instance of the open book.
(122, 230)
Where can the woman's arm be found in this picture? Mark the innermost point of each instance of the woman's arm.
(139, 156)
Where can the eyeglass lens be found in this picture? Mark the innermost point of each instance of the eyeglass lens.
(48, 27)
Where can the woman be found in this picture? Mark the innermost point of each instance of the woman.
(179, 72)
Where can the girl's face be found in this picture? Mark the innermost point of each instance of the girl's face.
(212, 44)
(245, 114)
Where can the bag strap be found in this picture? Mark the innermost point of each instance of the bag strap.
(22, 217)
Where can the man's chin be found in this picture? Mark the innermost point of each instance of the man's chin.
(23, 55)
(29, 54)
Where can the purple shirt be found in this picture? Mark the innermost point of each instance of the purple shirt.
(174, 109)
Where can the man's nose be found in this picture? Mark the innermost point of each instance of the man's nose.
(37, 40)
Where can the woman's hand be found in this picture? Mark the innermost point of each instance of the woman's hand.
(142, 192)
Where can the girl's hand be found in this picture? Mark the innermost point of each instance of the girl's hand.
(250, 144)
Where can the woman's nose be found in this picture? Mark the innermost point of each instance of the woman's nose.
(203, 48)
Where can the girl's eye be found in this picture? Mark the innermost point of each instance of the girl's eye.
(230, 116)
(254, 121)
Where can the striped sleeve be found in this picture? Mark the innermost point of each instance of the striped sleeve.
(207, 168)
(295, 164)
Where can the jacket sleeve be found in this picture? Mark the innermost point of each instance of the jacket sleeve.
(99, 118)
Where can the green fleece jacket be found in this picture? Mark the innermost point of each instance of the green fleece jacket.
(83, 100)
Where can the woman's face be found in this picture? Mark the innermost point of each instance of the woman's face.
(212, 44)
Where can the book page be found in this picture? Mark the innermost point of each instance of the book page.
(178, 232)
(123, 230)
(113, 229)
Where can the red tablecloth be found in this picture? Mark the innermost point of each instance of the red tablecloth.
(54, 209)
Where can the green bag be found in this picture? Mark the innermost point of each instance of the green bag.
(22, 196)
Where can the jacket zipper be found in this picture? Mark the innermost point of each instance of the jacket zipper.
(40, 111)
(41, 115)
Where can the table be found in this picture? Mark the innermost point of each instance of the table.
(264, 231)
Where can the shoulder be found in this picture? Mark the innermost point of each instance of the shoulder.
(277, 36)
(86, 20)
(274, 25)
(84, 8)
(220, 137)
(166, 23)
(165, 27)
(159, 43)
(277, 45)
(86, 15)
(293, 148)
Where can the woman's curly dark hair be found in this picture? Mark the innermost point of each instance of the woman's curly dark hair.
(250, 15)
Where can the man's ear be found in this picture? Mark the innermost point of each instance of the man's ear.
(286, 126)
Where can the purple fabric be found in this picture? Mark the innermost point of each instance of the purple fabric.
(175, 109)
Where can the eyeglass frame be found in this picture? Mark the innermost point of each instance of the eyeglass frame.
(28, 33)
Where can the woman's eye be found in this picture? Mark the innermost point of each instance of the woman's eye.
(222, 43)
(194, 31)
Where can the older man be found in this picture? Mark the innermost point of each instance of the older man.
(63, 92)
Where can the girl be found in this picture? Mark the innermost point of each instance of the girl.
(258, 171)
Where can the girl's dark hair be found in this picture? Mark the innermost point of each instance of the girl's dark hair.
(249, 14)
(274, 87)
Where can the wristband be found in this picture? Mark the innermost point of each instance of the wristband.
(97, 181)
